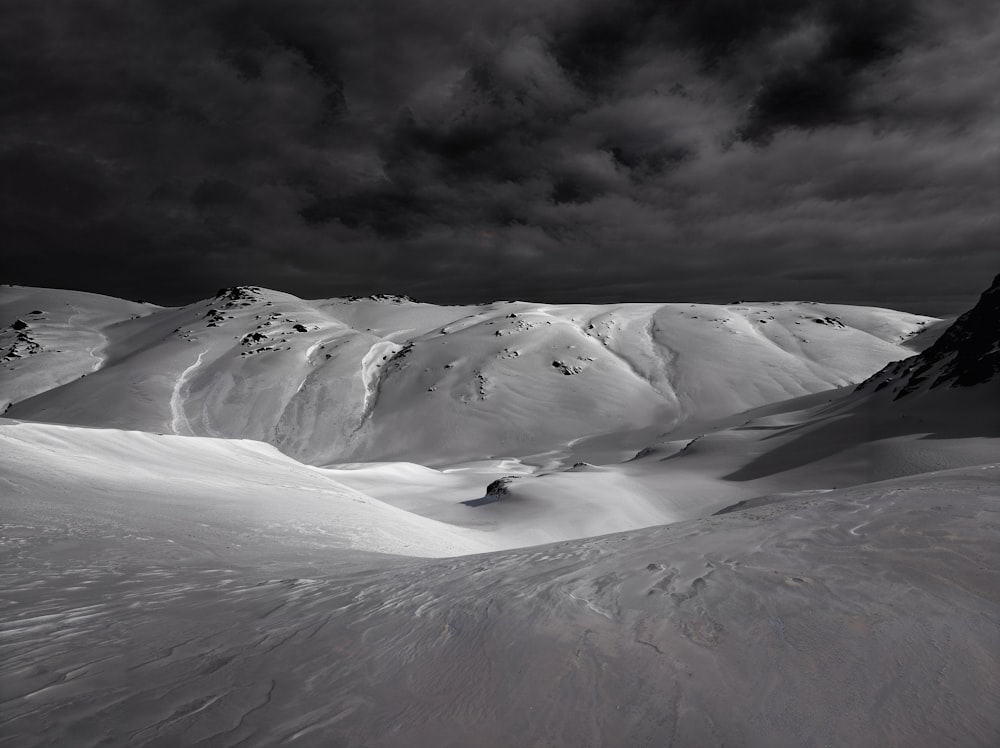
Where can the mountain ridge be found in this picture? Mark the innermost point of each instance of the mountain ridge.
(348, 379)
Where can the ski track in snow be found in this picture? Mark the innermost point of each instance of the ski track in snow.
(178, 418)
(93, 350)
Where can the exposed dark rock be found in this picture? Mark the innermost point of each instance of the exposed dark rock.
(831, 321)
(215, 317)
(567, 369)
(383, 297)
(644, 452)
(495, 491)
(22, 345)
(967, 354)
(253, 337)
(238, 293)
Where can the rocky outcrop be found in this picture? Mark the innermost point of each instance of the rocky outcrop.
(967, 354)
(495, 491)
(16, 342)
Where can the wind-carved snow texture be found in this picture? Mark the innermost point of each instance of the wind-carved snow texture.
(869, 614)
(99, 343)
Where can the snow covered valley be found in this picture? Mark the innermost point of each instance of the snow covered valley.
(261, 520)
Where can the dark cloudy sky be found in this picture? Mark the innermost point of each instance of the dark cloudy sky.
(457, 151)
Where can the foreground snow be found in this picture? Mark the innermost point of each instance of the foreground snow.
(865, 616)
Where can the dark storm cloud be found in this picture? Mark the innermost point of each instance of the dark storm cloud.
(817, 86)
(599, 149)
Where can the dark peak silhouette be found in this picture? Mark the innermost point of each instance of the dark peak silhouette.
(967, 354)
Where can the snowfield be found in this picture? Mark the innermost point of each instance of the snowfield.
(861, 617)
(262, 520)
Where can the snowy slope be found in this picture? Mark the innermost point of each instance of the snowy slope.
(789, 447)
(861, 617)
(52, 337)
(348, 380)
(935, 410)
(168, 587)
(942, 411)
(241, 494)
(184, 498)
(375, 379)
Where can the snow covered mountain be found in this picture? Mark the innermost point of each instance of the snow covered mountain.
(50, 337)
(346, 380)
(936, 410)
(800, 561)
(419, 408)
